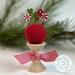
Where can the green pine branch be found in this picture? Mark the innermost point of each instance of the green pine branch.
(50, 6)
(12, 35)
(57, 31)
(7, 12)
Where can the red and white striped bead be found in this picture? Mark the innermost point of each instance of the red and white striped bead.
(27, 17)
(44, 16)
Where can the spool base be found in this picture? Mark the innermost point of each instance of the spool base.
(36, 66)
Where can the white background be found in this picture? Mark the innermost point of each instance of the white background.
(10, 66)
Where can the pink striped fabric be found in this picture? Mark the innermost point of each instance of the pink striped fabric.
(29, 56)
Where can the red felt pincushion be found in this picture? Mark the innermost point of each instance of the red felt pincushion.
(35, 33)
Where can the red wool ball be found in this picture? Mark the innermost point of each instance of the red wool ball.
(35, 33)
(39, 12)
